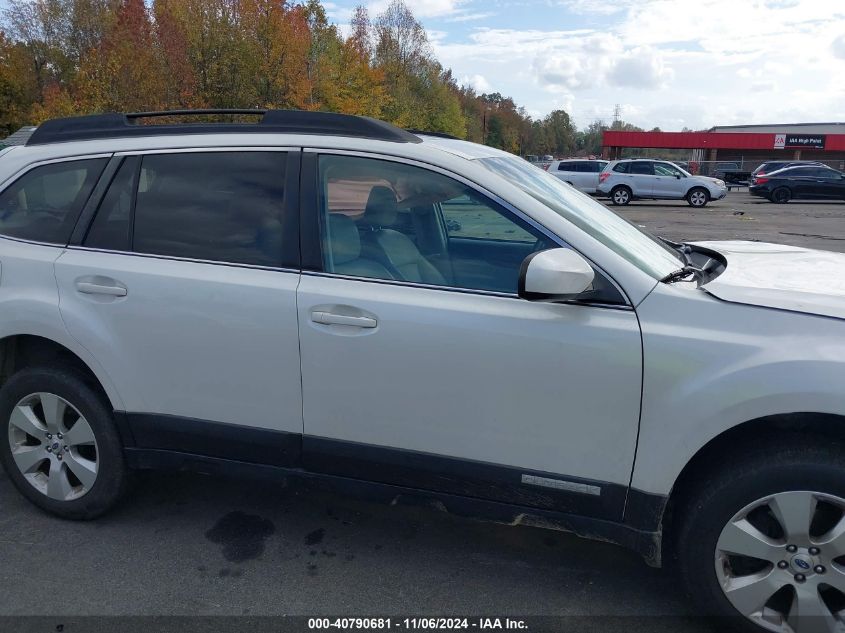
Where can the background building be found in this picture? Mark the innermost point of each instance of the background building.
(748, 145)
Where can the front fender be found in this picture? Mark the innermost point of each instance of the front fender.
(710, 365)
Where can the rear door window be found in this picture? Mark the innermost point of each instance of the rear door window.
(44, 204)
(217, 206)
(799, 172)
(643, 168)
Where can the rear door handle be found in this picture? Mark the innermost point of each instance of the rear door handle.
(88, 288)
(329, 318)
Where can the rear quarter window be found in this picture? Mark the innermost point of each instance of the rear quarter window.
(622, 168)
(44, 204)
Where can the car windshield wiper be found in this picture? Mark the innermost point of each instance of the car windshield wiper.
(688, 269)
(683, 273)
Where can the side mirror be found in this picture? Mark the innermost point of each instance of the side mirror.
(557, 274)
(678, 176)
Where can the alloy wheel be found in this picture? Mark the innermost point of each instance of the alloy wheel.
(782, 196)
(780, 561)
(53, 446)
(621, 196)
(698, 198)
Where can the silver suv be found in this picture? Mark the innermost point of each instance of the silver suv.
(632, 179)
(332, 297)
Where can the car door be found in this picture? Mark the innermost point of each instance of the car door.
(565, 171)
(456, 385)
(583, 176)
(668, 181)
(804, 182)
(184, 288)
(642, 178)
(829, 183)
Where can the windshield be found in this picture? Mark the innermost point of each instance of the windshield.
(638, 247)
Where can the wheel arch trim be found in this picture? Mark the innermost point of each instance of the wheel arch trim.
(731, 440)
(67, 344)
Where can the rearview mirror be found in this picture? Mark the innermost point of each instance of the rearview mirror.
(557, 274)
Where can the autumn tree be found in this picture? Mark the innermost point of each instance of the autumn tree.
(127, 71)
(18, 86)
(180, 80)
(561, 132)
(65, 57)
(361, 35)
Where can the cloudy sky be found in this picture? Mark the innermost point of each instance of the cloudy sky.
(667, 63)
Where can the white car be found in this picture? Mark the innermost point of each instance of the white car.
(581, 173)
(325, 296)
(639, 178)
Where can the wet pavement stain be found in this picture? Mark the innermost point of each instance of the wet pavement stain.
(315, 537)
(241, 535)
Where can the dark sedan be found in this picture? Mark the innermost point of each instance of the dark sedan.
(774, 165)
(803, 183)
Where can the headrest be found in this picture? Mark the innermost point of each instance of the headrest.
(381, 207)
(344, 238)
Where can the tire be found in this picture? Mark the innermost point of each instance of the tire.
(620, 196)
(775, 479)
(82, 441)
(781, 195)
(698, 197)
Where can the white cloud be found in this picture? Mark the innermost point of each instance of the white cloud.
(469, 17)
(477, 82)
(642, 67)
(765, 85)
(600, 7)
(675, 63)
(420, 8)
(838, 47)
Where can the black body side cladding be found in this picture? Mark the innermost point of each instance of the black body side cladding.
(463, 487)
(214, 439)
(460, 477)
(645, 543)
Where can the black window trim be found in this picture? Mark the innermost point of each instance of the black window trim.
(52, 161)
(291, 211)
(311, 247)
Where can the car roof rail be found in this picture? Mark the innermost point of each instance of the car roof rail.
(435, 134)
(115, 125)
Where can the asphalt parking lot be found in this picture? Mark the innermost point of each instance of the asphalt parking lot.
(187, 544)
(741, 216)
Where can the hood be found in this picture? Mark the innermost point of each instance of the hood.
(779, 276)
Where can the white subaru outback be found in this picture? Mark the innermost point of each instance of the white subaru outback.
(328, 296)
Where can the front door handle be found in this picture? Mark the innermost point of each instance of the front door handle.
(88, 288)
(330, 318)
